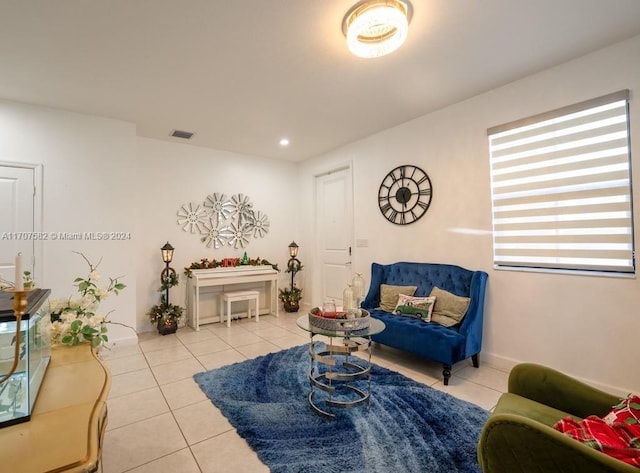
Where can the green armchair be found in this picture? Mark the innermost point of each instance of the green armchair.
(519, 436)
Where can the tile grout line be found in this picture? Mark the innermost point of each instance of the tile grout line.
(170, 411)
(290, 328)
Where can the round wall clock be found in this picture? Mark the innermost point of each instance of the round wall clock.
(405, 194)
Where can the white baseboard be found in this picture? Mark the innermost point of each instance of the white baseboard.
(506, 364)
(123, 341)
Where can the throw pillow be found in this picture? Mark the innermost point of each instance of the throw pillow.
(617, 434)
(423, 304)
(418, 311)
(449, 309)
(389, 295)
(627, 412)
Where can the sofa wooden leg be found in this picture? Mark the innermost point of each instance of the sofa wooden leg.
(446, 372)
(475, 359)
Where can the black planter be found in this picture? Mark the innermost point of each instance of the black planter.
(165, 328)
(291, 306)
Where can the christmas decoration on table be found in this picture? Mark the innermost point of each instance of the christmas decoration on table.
(206, 263)
(345, 320)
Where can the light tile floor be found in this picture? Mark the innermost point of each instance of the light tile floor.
(160, 421)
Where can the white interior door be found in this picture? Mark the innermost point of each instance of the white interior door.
(334, 220)
(17, 218)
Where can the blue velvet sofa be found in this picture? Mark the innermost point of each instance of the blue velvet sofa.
(446, 345)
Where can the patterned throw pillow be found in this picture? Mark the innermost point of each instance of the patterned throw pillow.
(627, 412)
(617, 434)
(424, 306)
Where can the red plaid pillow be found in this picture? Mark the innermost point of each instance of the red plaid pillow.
(627, 412)
(617, 435)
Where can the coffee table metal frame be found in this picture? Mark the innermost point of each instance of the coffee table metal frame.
(336, 354)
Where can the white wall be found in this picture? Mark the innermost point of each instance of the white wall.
(172, 174)
(89, 170)
(99, 177)
(585, 326)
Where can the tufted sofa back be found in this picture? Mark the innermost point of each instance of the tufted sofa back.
(451, 278)
(457, 280)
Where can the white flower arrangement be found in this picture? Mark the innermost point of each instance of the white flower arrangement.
(76, 319)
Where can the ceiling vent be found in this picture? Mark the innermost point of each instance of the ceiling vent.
(186, 135)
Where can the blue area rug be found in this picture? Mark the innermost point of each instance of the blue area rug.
(409, 427)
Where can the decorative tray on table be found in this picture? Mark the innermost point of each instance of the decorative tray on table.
(357, 320)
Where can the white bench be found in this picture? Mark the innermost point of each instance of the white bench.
(226, 298)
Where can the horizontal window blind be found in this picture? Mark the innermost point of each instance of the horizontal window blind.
(561, 189)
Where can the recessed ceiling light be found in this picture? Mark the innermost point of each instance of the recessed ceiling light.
(284, 142)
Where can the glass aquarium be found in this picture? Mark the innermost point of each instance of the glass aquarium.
(18, 393)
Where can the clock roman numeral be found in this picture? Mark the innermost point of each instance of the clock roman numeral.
(424, 192)
(389, 212)
(424, 178)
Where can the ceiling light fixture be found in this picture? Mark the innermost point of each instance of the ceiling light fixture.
(284, 142)
(374, 28)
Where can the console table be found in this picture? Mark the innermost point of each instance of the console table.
(66, 429)
(223, 279)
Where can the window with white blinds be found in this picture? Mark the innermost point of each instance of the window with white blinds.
(561, 189)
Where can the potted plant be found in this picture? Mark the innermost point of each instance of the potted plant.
(166, 315)
(290, 297)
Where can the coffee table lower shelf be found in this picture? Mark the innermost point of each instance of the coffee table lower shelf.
(332, 382)
(333, 370)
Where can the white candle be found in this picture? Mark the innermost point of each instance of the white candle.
(18, 282)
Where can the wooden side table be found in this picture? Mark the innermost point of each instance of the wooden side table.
(66, 430)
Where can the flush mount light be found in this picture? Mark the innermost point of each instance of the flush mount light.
(284, 142)
(374, 28)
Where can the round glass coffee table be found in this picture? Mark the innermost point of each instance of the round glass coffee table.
(333, 369)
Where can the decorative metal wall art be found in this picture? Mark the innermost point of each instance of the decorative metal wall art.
(222, 221)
